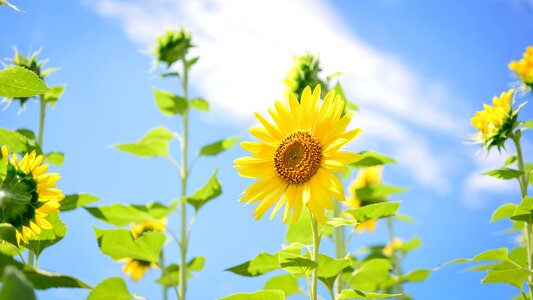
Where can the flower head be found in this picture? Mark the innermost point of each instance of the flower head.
(28, 194)
(136, 268)
(297, 156)
(304, 72)
(172, 46)
(497, 122)
(365, 177)
(524, 68)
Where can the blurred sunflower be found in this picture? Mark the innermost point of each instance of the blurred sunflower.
(524, 68)
(497, 122)
(297, 156)
(365, 177)
(392, 246)
(136, 268)
(28, 194)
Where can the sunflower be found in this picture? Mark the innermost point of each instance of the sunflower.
(136, 268)
(524, 68)
(28, 194)
(366, 177)
(496, 123)
(392, 246)
(297, 156)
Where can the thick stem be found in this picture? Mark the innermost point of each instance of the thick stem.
(528, 233)
(316, 247)
(397, 264)
(184, 176)
(340, 246)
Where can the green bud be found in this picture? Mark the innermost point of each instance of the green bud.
(304, 72)
(172, 46)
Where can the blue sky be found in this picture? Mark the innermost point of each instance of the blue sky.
(418, 70)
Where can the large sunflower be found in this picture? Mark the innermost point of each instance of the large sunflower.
(297, 156)
(29, 194)
(365, 177)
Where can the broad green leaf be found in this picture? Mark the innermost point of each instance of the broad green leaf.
(19, 82)
(119, 243)
(77, 200)
(359, 294)
(378, 191)
(209, 191)
(416, 275)
(371, 274)
(351, 106)
(219, 146)
(170, 276)
(125, 214)
(504, 173)
(515, 277)
(15, 285)
(296, 264)
(18, 142)
(4, 2)
(510, 160)
(200, 104)
(286, 283)
(329, 268)
(48, 237)
(43, 280)
(301, 230)
(113, 288)
(7, 233)
(348, 105)
(259, 295)
(503, 212)
(374, 211)
(55, 158)
(53, 94)
(170, 104)
(259, 265)
(371, 159)
(338, 222)
(404, 218)
(524, 211)
(411, 245)
(500, 254)
(191, 62)
(154, 143)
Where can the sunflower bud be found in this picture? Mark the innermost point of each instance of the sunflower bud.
(304, 72)
(524, 68)
(172, 46)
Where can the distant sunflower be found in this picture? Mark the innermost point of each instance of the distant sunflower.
(365, 177)
(28, 194)
(136, 268)
(392, 246)
(297, 156)
(523, 68)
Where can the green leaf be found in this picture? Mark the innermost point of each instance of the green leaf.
(125, 214)
(510, 160)
(503, 212)
(119, 243)
(371, 274)
(191, 62)
(7, 233)
(259, 295)
(4, 2)
(371, 159)
(77, 200)
(55, 158)
(300, 231)
(348, 104)
(404, 218)
(524, 211)
(170, 74)
(15, 285)
(500, 254)
(53, 94)
(514, 277)
(43, 280)
(18, 142)
(209, 191)
(113, 288)
(378, 191)
(19, 82)
(359, 294)
(296, 264)
(504, 173)
(286, 283)
(329, 268)
(416, 276)
(527, 124)
(48, 237)
(170, 104)
(259, 265)
(200, 104)
(171, 275)
(338, 222)
(374, 211)
(154, 143)
(218, 146)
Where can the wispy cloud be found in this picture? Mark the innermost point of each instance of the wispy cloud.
(246, 49)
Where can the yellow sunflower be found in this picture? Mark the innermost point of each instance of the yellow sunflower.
(365, 177)
(524, 68)
(29, 194)
(392, 246)
(136, 268)
(297, 156)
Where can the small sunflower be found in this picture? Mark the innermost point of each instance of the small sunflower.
(497, 122)
(28, 194)
(392, 246)
(136, 268)
(297, 156)
(524, 68)
(366, 177)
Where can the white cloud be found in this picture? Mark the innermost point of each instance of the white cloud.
(246, 49)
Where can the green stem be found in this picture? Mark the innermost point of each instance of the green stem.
(397, 264)
(340, 247)
(184, 176)
(314, 257)
(163, 268)
(528, 233)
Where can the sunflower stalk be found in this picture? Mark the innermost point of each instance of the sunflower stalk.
(316, 247)
(396, 262)
(340, 246)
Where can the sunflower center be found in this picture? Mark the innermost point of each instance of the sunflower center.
(298, 157)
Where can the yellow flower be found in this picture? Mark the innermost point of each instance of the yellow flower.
(29, 194)
(365, 177)
(392, 246)
(297, 156)
(495, 122)
(136, 268)
(524, 68)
